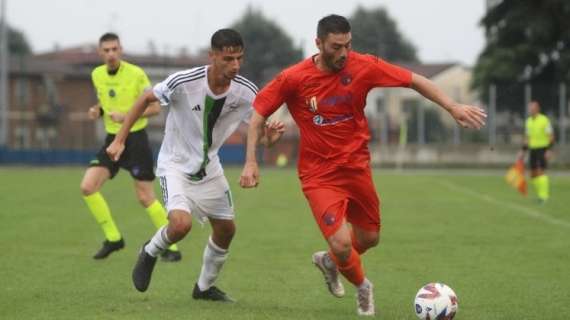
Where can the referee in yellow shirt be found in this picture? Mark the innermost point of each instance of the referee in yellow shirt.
(539, 139)
(118, 85)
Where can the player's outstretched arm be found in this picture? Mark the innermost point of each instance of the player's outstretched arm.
(465, 115)
(250, 174)
(116, 147)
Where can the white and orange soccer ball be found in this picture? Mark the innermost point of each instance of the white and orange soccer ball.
(436, 301)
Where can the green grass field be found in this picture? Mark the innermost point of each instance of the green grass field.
(505, 256)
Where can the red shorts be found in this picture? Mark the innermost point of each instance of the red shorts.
(344, 195)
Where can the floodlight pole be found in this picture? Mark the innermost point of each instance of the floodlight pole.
(562, 114)
(492, 114)
(527, 99)
(3, 76)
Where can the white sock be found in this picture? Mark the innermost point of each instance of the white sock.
(158, 243)
(214, 258)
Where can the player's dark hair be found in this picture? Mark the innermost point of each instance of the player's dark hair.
(109, 36)
(226, 38)
(332, 24)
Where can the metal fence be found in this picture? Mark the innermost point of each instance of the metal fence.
(47, 124)
(423, 124)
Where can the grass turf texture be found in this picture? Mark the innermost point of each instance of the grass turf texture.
(505, 256)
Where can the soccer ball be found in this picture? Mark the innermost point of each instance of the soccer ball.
(436, 301)
(281, 160)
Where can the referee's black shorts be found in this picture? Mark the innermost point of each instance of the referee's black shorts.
(136, 158)
(537, 159)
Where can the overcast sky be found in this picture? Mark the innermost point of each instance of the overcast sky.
(442, 30)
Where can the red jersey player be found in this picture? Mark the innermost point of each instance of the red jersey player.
(326, 95)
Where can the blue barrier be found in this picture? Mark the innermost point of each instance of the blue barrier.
(45, 157)
(229, 154)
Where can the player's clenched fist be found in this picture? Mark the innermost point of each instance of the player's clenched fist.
(94, 112)
(249, 176)
(114, 150)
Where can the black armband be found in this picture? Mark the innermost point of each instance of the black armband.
(101, 112)
(524, 147)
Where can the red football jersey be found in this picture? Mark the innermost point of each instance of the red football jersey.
(329, 109)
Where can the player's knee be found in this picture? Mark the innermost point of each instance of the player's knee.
(341, 247)
(87, 188)
(180, 225)
(225, 231)
(372, 241)
(228, 231)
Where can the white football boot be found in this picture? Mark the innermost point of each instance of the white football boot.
(330, 272)
(365, 299)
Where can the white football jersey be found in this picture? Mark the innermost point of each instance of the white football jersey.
(199, 121)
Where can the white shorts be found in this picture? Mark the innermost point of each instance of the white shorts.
(209, 199)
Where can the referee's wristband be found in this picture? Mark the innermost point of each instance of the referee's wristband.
(524, 147)
(101, 112)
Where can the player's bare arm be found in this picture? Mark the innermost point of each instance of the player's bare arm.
(250, 174)
(152, 110)
(117, 116)
(465, 115)
(118, 145)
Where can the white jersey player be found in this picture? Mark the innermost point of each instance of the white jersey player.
(206, 105)
(199, 121)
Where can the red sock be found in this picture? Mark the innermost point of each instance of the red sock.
(355, 244)
(351, 269)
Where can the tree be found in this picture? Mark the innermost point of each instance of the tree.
(268, 48)
(17, 43)
(375, 32)
(528, 41)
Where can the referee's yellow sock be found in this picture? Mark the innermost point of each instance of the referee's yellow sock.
(100, 210)
(542, 186)
(158, 216)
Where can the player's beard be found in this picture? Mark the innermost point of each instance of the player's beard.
(334, 65)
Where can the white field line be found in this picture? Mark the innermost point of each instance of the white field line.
(513, 206)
